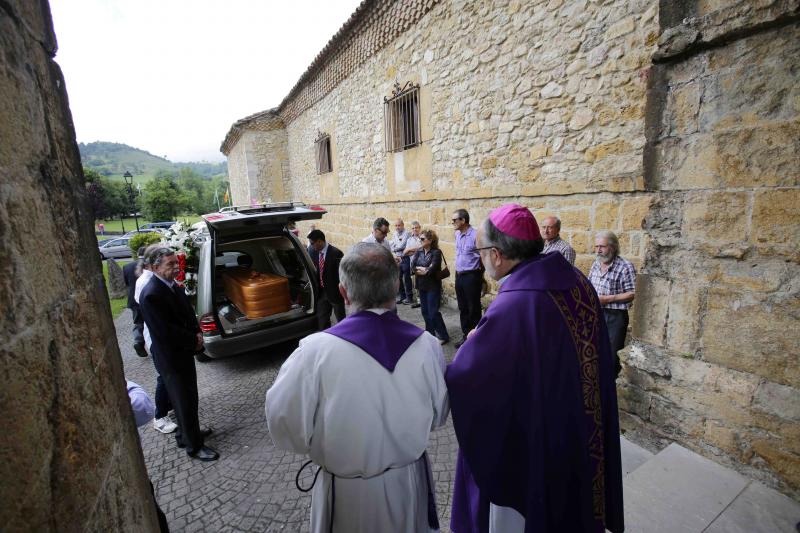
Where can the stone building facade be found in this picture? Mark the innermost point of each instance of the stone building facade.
(674, 124)
(70, 458)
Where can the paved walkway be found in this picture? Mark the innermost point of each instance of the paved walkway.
(251, 487)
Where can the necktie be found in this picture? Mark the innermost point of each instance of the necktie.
(321, 268)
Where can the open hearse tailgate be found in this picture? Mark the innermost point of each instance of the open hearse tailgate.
(246, 219)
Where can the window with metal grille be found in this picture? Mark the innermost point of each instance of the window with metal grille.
(323, 149)
(401, 118)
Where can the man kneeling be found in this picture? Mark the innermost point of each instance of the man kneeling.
(361, 399)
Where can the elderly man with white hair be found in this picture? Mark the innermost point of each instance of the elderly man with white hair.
(614, 279)
(361, 399)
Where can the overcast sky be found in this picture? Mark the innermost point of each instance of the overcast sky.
(171, 76)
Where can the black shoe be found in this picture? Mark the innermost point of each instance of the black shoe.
(458, 344)
(205, 454)
(140, 350)
(400, 301)
(415, 305)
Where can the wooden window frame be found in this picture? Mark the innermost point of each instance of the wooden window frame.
(322, 148)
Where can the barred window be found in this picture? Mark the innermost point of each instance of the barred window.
(401, 118)
(323, 149)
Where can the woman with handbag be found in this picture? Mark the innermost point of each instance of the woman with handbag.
(427, 267)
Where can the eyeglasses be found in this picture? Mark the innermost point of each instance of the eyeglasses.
(482, 248)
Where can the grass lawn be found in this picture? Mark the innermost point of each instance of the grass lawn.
(130, 223)
(117, 304)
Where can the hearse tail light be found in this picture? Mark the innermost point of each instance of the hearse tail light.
(316, 208)
(208, 324)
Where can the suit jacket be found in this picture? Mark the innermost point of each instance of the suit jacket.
(172, 324)
(331, 273)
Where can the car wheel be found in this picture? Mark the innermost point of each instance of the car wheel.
(202, 357)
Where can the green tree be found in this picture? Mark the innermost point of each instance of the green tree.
(163, 200)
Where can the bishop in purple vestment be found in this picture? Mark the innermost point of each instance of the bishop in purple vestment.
(533, 397)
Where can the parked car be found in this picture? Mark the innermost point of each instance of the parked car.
(115, 248)
(143, 230)
(255, 238)
(158, 225)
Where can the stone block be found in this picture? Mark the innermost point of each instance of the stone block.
(752, 336)
(778, 400)
(687, 163)
(683, 324)
(647, 358)
(575, 219)
(649, 318)
(606, 216)
(579, 240)
(634, 400)
(722, 437)
(679, 420)
(684, 105)
(764, 155)
(634, 211)
(776, 216)
(601, 151)
(785, 463)
(716, 216)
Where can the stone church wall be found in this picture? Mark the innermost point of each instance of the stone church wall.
(715, 363)
(70, 458)
(674, 124)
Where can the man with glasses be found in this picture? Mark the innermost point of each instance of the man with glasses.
(533, 397)
(469, 274)
(380, 229)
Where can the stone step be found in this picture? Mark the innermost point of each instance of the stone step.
(678, 490)
(633, 456)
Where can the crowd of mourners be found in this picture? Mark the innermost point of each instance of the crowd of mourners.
(531, 388)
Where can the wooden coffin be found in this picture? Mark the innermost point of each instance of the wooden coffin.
(256, 294)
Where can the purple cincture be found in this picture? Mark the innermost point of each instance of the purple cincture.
(384, 337)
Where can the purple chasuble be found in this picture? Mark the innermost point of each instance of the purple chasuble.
(384, 337)
(534, 406)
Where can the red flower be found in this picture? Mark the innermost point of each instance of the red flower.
(181, 276)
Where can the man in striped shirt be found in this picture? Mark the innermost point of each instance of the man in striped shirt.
(551, 227)
(614, 279)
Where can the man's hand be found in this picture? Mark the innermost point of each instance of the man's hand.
(199, 343)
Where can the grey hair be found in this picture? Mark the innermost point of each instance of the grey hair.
(149, 251)
(511, 247)
(612, 239)
(370, 276)
(158, 256)
(415, 223)
(558, 221)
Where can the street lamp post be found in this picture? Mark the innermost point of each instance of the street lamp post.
(129, 182)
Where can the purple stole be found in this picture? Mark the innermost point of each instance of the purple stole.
(384, 337)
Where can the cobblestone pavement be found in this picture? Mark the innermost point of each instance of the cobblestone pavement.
(252, 486)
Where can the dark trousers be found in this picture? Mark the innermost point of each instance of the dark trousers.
(617, 324)
(138, 325)
(429, 305)
(163, 405)
(324, 308)
(181, 386)
(162, 519)
(468, 294)
(406, 291)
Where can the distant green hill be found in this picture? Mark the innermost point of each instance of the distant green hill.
(113, 159)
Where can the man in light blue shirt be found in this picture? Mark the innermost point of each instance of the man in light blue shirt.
(469, 274)
(405, 294)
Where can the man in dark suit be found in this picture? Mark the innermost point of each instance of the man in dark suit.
(175, 337)
(326, 258)
(131, 273)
